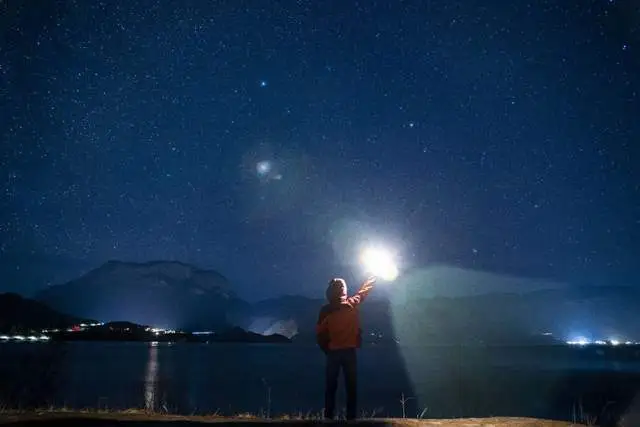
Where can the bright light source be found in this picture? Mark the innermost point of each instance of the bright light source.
(379, 262)
(614, 342)
(579, 341)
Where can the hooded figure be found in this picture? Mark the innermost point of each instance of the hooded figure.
(338, 334)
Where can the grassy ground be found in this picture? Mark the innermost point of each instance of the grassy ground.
(137, 418)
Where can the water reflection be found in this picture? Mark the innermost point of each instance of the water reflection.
(151, 377)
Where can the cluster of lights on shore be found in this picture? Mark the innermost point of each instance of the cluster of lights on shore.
(160, 331)
(21, 338)
(581, 341)
(43, 337)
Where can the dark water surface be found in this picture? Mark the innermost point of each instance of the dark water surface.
(550, 382)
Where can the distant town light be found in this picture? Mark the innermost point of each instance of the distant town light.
(579, 341)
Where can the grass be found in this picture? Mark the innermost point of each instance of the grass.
(63, 416)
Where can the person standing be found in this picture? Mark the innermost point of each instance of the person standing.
(339, 335)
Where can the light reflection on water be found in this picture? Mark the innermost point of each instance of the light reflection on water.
(151, 377)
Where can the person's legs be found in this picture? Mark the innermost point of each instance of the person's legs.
(350, 369)
(332, 371)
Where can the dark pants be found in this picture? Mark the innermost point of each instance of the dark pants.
(344, 359)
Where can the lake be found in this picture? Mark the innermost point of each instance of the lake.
(550, 382)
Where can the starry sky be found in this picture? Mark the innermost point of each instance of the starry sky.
(267, 139)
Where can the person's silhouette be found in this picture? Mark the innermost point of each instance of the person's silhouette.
(339, 335)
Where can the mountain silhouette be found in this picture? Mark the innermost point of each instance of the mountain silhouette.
(160, 293)
(18, 314)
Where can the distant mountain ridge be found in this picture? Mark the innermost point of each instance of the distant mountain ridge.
(19, 314)
(178, 295)
(159, 293)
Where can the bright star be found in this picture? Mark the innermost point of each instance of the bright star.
(263, 83)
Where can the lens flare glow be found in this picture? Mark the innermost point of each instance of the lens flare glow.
(379, 262)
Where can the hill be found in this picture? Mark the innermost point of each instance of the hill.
(161, 293)
(18, 314)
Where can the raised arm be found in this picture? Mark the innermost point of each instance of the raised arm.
(362, 293)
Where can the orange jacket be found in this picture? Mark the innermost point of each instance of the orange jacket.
(338, 324)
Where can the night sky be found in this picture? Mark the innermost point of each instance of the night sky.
(267, 139)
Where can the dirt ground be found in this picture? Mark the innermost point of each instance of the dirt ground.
(47, 419)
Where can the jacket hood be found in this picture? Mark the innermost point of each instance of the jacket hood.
(337, 291)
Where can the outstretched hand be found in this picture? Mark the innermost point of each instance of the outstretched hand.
(367, 285)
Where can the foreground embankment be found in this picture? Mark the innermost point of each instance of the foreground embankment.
(80, 419)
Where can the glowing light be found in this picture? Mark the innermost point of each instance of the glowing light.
(614, 342)
(263, 167)
(579, 341)
(380, 262)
